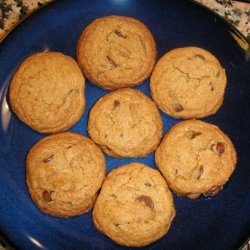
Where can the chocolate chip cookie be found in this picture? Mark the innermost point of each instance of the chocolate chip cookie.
(196, 158)
(188, 83)
(135, 206)
(116, 51)
(64, 173)
(125, 123)
(47, 92)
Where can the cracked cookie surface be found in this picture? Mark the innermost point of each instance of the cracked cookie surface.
(188, 83)
(135, 206)
(47, 92)
(125, 123)
(64, 173)
(196, 158)
(116, 51)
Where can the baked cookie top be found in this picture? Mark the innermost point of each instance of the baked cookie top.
(188, 83)
(125, 123)
(64, 173)
(196, 158)
(116, 51)
(47, 92)
(135, 206)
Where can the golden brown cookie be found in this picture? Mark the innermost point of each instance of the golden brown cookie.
(188, 83)
(135, 206)
(116, 51)
(47, 92)
(125, 123)
(64, 173)
(196, 158)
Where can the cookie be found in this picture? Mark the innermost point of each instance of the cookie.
(64, 172)
(47, 92)
(116, 51)
(196, 158)
(125, 123)
(135, 206)
(188, 83)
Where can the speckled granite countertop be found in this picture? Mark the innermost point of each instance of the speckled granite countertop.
(235, 12)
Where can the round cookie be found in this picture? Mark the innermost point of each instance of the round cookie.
(188, 83)
(116, 51)
(64, 173)
(135, 206)
(196, 158)
(47, 92)
(125, 123)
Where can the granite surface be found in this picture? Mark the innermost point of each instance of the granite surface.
(236, 13)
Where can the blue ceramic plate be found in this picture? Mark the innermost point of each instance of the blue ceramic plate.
(219, 223)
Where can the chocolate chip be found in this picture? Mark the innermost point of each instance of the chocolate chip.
(194, 134)
(200, 56)
(146, 200)
(211, 86)
(111, 63)
(50, 158)
(70, 92)
(147, 184)
(117, 104)
(47, 195)
(120, 34)
(220, 148)
(201, 170)
(178, 107)
(197, 172)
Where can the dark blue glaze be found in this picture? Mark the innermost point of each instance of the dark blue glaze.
(222, 222)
